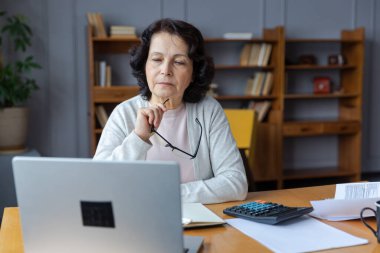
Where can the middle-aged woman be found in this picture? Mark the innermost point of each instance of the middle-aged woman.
(172, 119)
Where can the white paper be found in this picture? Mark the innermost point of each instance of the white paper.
(237, 35)
(357, 190)
(341, 209)
(349, 200)
(303, 234)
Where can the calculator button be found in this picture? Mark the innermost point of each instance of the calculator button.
(266, 212)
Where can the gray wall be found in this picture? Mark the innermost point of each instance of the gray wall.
(59, 124)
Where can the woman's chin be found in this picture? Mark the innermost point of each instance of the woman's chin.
(164, 95)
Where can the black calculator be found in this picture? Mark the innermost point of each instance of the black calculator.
(266, 212)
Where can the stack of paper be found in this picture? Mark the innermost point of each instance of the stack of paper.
(349, 200)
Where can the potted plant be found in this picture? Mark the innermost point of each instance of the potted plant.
(15, 84)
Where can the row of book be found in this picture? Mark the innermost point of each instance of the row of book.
(101, 115)
(96, 20)
(255, 54)
(260, 84)
(103, 74)
(123, 31)
(262, 108)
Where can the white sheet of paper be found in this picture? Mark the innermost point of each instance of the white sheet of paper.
(358, 190)
(341, 209)
(303, 234)
(349, 200)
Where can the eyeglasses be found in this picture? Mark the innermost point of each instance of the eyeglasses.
(179, 151)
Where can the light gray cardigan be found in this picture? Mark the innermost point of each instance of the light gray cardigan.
(218, 167)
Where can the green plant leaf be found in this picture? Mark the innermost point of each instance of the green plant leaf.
(15, 84)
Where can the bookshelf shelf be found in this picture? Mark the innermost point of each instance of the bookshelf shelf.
(321, 96)
(319, 67)
(113, 94)
(315, 128)
(314, 173)
(116, 39)
(243, 97)
(326, 40)
(232, 67)
(218, 40)
(113, 46)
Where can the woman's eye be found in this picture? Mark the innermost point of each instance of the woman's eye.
(179, 62)
(156, 59)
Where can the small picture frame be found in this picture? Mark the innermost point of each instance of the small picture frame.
(307, 59)
(336, 59)
(322, 85)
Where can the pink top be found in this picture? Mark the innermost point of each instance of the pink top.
(174, 129)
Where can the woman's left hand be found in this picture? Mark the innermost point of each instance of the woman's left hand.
(147, 118)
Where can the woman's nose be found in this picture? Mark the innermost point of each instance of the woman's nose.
(166, 69)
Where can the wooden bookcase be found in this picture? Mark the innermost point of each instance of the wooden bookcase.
(278, 126)
(267, 162)
(108, 97)
(345, 126)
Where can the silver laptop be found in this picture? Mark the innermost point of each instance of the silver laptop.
(82, 205)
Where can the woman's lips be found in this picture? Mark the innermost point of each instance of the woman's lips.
(164, 83)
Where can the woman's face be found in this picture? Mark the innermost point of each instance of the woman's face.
(168, 68)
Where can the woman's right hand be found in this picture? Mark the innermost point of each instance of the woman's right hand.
(147, 118)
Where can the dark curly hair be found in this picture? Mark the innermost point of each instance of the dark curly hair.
(203, 65)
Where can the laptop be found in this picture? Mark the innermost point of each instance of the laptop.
(84, 205)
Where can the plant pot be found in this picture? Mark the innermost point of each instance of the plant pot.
(13, 129)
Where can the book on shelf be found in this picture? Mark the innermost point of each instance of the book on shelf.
(262, 108)
(118, 31)
(268, 84)
(123, 28)
(268, 51)
(92, 22)
(95, 19)
(103, 74)
(264, 54)
(124, 36)
(101, 25)
(96, 72)
(241, 35)
(245, 53)
(101, 115)
(260, 84)
(260, 57)
(249, 86)
(255, 54)
(108, 76)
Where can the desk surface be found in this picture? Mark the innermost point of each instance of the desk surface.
(224, 238)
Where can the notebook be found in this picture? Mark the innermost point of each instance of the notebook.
(83, 205)
(197, 215)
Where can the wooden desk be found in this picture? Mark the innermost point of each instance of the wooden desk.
(225, 238)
